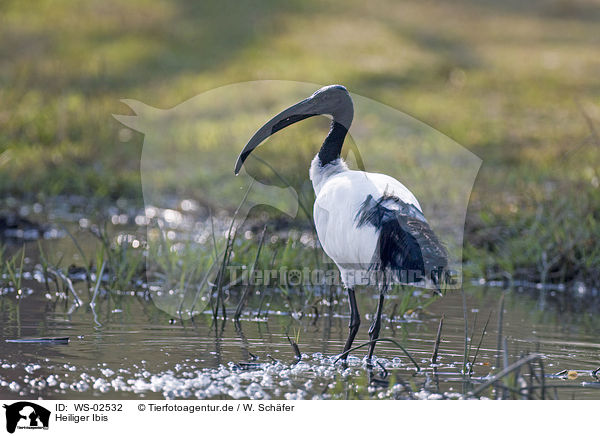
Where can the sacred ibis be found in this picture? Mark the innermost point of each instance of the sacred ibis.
(364, 221)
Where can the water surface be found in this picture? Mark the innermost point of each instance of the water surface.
(129, 349)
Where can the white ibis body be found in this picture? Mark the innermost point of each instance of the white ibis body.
(364, 221)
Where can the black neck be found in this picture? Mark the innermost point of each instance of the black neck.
(332, 147)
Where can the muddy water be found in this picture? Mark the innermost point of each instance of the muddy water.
(129, 349)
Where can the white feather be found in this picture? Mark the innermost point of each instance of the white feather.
(339, 194)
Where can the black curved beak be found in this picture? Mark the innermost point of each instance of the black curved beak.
(298, 112)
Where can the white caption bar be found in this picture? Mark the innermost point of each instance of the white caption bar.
(296, 417)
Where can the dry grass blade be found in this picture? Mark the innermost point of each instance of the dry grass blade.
(57, 340)
(68, 282)
(296, 349)
(500, 322)
(480, 340)
(226, 256)
(505, 372)
(504, 353)
(244, 298)
(542, 378)
(465, 370)
(81, 253)
(438, 339)
(98, 281)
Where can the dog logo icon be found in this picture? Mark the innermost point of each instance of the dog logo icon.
(26, 415)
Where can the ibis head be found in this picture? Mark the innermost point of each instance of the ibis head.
(331, 100)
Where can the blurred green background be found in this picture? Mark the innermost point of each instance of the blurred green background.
(517, 83)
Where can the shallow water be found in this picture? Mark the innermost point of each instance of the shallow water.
(132, 350)
(127, 348)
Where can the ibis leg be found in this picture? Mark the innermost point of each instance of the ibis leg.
(354, 323)
(375, 326)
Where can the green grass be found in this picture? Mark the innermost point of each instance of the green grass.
(515, 83)
(185, 279)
